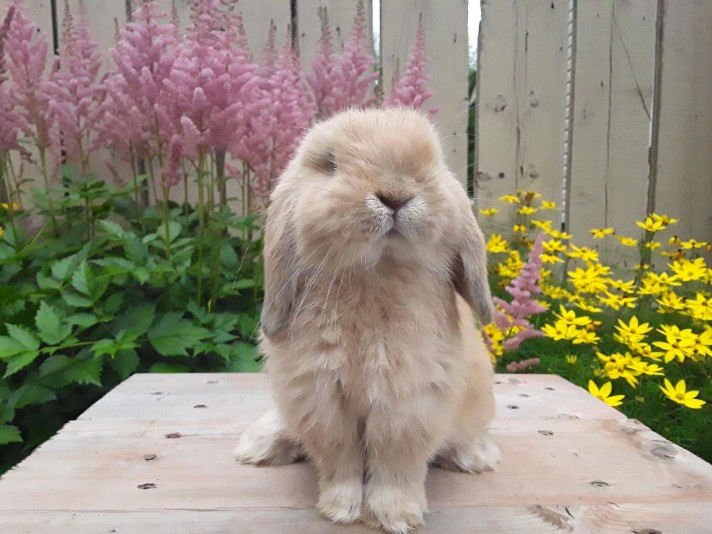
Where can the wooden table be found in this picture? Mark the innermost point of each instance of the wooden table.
(155, 456)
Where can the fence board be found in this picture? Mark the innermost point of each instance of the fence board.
(684, 170)
(341, 15)
(521, 99)
(446, 39)
(615, 45)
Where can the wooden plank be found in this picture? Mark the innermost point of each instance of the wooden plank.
(683, 186)
(615, 44)
(518, 397)
(446, 41)
(558, 473)
(521, 99)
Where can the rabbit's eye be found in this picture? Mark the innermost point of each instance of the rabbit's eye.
(330, 160)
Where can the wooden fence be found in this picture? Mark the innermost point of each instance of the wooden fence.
(600, 105)
(446, 36)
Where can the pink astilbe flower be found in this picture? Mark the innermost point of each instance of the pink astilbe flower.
(212, 87)
(345, 80)
(411, 90)
(515, 367)
(12, 123)
(277, 130)
(136, 119)
(522, 288)
(74, 88)
(25, 62)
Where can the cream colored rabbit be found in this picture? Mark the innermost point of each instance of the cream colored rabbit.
(374, 263)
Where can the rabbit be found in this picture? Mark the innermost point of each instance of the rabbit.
(374, 264)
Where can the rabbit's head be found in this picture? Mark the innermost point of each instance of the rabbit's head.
(368, 190)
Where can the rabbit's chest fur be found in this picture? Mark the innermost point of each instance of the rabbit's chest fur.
(364, 336)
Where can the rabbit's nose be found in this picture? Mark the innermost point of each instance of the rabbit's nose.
(391, 201)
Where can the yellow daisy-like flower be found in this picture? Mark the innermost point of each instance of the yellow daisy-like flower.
(586, 254)
(548, 205)
(559, 235)
(519, 229)
(628, 241)
(680, 395)
(14, 206)
(497, 243)
(553, 246)
(526, 210)
(700, 308)
(632, 332)
(693, 244)
(571, 359)
(510, 198)
(600, 233)
(490, 211)
(604, 393)
(550, 258)
(569, 318)
(587, 306)
(652, 245)
(588, 280)
(664, 219)
(670, 302)
(624, 287)
(617, 301)
(678, 343)
(651, 225)
(703, 343)
(544, 226)
(586, 337)
(688, 270)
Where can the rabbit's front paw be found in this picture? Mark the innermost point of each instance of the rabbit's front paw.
(341, 502)
(392, 510)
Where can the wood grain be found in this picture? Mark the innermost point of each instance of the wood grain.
(155, 455)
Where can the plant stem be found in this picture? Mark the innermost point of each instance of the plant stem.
(201, 225)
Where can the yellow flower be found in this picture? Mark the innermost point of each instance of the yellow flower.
(587, 306)
(600, 233)
(548, 205)
(559, 331)
(703, 342)
(700, 308)
(526, 210)
(569, 318)
(680, 395)
(617, 301)
(586, 254)
(11, 207)
(510, 198)
(652, 245)
(588, 280)
(550, 258)
(604, 393)
(663, 219)
(632, 332)
(688, 270)
(571, 359)
(544, 226)
(693, 244)
(678, 343)
(586, 337)
(669, 302)
(490, 211)
(519, 228)
(628, 241)
(651, 225)
(1, 231)
(559, 235)
(620, 285)
(553, 246)
(496, 243)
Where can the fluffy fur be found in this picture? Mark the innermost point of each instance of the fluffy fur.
(374, 263)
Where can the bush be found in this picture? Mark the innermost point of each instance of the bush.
(108, 289)
(638, 339)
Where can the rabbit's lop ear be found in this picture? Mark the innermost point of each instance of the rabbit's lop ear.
(281, 273)
(469, 272)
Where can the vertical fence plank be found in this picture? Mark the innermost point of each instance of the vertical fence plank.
(446, 40)
(615, 60)
(341, 16)
(684, 171)
(521, 99)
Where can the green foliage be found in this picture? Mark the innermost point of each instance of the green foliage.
(95, 287)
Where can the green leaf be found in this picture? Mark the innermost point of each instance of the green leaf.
(112, 228)
(85, 372)
(163, 367)
(136, 251)
(31, 394)
(77, 301)
(10, 347)
(136, 320)
(9, 434)
(174, 230)
(47, 282)
(173, 335)
(61, 268)
(83, 279)
(228, 257)
(23, 336)
(6, 252)
(19, 362)
(125, 362)
(49, 325)
(85, 320)
(243, 283)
